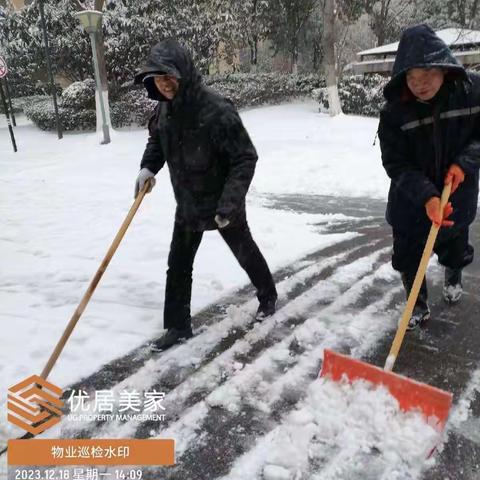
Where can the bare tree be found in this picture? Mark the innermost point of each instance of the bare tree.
(329, 63)
(389, 17)
(293, 15)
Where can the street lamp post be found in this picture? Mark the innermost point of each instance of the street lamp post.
(49, 68)
(91, 21)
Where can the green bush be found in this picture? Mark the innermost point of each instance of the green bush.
(79, 95)
(131, 106)
(246, 90)
(358, 95)
(42, 114)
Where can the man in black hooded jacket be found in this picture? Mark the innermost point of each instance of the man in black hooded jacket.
(430, 135)
(211, 160)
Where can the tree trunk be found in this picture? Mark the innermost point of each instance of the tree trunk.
(335, 107)
(254, 39)
(294, 68)
(254, 53)
(473, 12)
(462, 7)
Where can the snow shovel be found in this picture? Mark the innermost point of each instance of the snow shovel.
(432, 402)
(88, 294)
(96, 279)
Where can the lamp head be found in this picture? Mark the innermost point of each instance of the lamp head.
(91, 20)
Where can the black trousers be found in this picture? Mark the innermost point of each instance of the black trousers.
(451, 246)
(184, 246)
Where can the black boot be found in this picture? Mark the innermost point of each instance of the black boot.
(421, 311)
(452, 288)
(171, 337)
(266, 308)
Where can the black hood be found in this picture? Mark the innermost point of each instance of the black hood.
(420, 47)
(169, 57)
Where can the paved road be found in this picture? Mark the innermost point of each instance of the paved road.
(445, 353)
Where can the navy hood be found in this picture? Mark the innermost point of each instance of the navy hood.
(420, 47)
(172, 58)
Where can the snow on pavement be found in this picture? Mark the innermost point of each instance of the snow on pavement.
(358, 417)
(62, 202)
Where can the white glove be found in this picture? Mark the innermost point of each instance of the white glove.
(221, 222)
(143, 175)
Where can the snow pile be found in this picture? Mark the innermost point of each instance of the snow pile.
(346, 431)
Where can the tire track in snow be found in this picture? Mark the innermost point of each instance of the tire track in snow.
(251, 463)
(254, 416)
(119, 369)
(216, 369)
(228, 328)
(255, 343)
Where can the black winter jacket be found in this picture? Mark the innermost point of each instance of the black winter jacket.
(200, 136)
(420, 140)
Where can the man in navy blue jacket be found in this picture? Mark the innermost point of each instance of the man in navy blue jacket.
(429, 136)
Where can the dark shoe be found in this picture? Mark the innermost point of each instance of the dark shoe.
(452, 288)
(171, 337)
(421, 312)
(266, 309)
(419, 316)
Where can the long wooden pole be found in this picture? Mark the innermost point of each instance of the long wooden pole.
(417, 284)
(93, 284)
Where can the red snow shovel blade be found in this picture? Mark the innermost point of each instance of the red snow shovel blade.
(411, 395)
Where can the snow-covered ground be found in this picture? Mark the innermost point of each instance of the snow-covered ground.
(61, 203)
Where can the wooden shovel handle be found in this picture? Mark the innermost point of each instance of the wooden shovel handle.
(93, 284)
(412, 298)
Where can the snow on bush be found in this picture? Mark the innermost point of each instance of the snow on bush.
(79, 95)
(247, 90)
(42, 114)
(76, 108)
(19, 104)
(359, 95)
(131, 106)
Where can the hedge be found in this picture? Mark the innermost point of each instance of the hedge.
(130, 105)
(358, 95)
